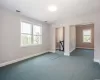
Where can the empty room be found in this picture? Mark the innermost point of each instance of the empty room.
(49, 39)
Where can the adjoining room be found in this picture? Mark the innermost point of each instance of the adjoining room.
(85, 36)
(59, 40)
(82, 40)
(82, 37)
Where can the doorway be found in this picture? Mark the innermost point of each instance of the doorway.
(82, 40)
(59, 39)
(85, 36)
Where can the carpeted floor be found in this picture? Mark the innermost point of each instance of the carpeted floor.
(50, 66)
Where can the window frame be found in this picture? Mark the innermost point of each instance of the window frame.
(32, 35)
(87, 35)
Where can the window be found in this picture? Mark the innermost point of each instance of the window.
(87, 36)
(37, 34)
(30, 34)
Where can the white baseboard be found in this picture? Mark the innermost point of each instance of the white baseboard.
(97, 61)
(66, 54)
(20, 59)
(84, 48)
(72, 50)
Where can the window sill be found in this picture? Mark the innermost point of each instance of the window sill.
(87, 42)
(32, 45)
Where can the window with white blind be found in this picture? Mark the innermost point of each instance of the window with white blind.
(30, 34)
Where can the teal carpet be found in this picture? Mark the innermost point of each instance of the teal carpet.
(50, 66)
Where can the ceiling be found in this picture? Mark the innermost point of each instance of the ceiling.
(38, 9)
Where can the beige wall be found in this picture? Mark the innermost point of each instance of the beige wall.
(59, 36)
(79, 36)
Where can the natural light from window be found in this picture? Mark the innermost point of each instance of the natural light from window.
(30, 34)
(87, 36)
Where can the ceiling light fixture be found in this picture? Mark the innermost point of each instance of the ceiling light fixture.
(52, 8)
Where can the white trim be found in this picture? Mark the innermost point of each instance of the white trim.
(97, 61)
(66, 54)
(21, 59)
(84, 48)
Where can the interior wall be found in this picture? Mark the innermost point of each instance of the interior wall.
(0, 34)
(85, 19)
(10, 37)
(67, 41)
(59, 36)
(79, 36)
(72, 38)
(52, 39)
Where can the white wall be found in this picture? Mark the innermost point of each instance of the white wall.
(52, 39)
(10, 37)
(0, 34)
(85, 19)
(72, 38)
(67, 41)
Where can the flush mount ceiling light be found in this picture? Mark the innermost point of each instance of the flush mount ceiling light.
(52, 8)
